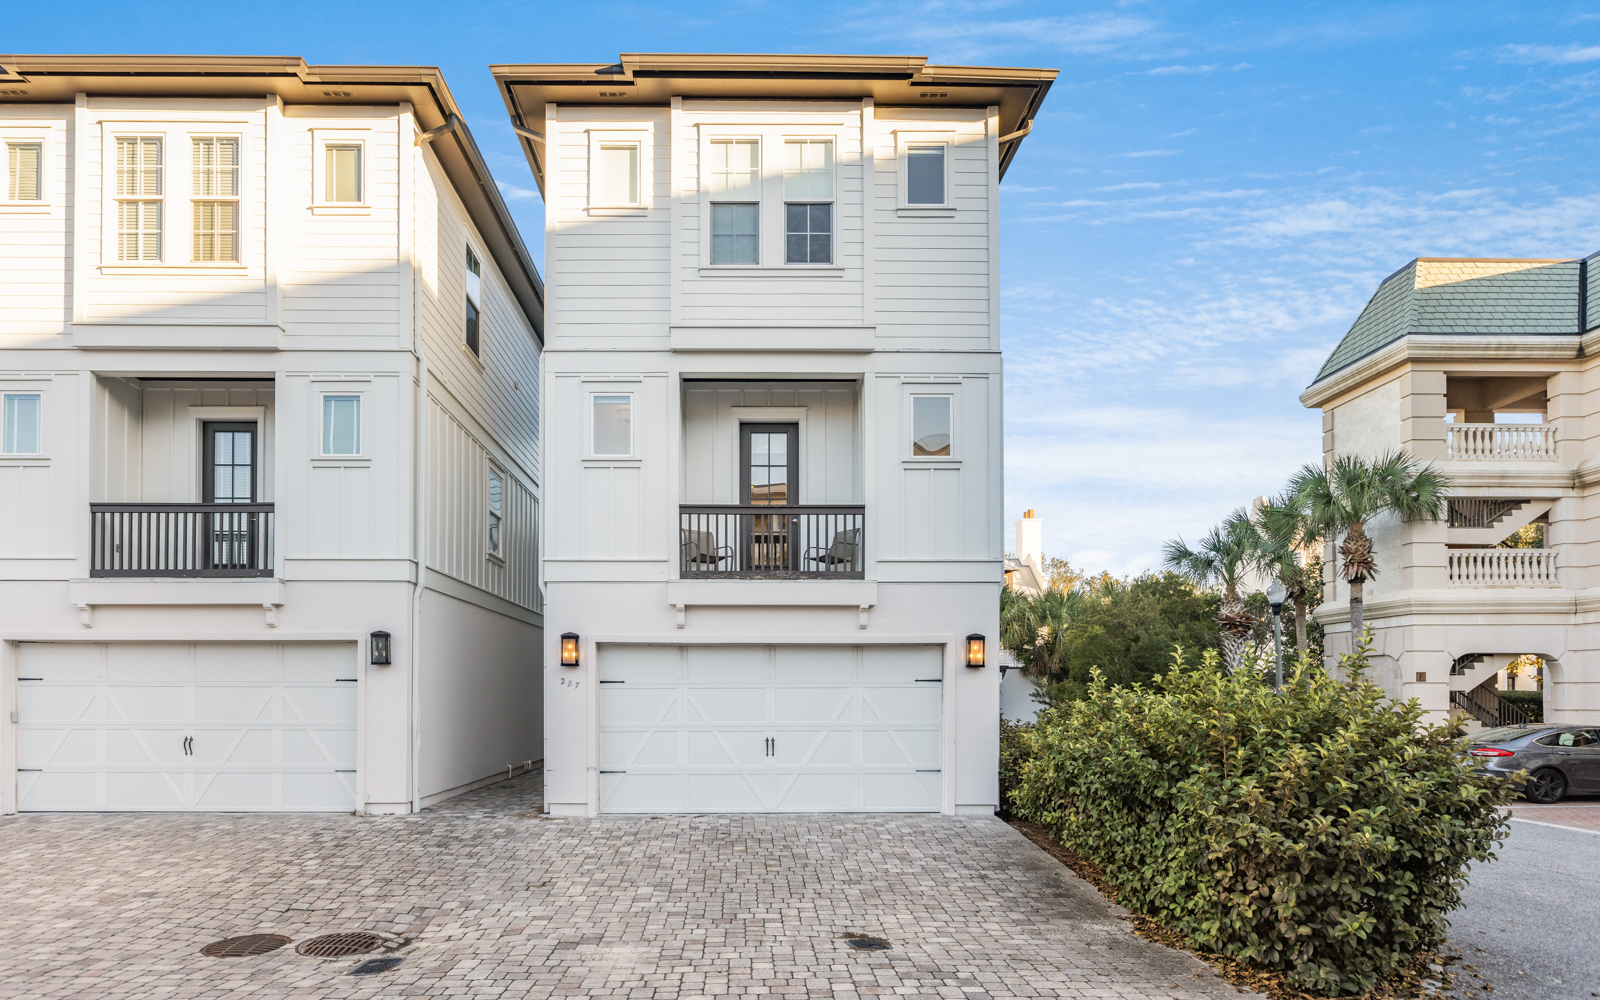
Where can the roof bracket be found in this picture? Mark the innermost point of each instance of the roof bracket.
(449, 125)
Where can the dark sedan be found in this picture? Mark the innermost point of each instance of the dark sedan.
(1557, 759)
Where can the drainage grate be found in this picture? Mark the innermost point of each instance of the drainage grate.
(866, 942)
(376, 965)
(340, 945)
(245, 946)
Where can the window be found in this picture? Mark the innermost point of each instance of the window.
(341, 425)
(24, 165)
(138, 196)
(808, 201)
(216, 218)
(21, 419)
(341, 172)
(733, 181)
(616, 175)
(496, 491)
(925, 174)
(930, 426)
(613, 426)
(474, 299)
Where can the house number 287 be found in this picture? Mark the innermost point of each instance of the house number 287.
(569, 683)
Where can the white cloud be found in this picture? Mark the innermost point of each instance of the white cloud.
(1131, 186)
(512, 192)
(1152, 152)
(1557, 54)
(1168, 70)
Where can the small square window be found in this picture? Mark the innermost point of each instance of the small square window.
(474, 299)
(341, 425)
(735, 234)
(24, 171)
(22, 430)
(808, 236)
(925, 175)
(496, 509)
(342, 173)
(616, 175)
(930, 426)
(613, 426)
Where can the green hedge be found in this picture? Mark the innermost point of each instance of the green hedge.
(1531, 702)
(1324, 833)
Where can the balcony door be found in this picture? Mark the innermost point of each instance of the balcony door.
(769, 476)
(230, 476)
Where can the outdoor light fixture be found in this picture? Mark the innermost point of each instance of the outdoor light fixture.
(569, 649)
(1275, 597)
(974, 650)
(378, 645)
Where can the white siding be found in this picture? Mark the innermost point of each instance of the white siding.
(39, 515)
(829, 448)
(35, 265)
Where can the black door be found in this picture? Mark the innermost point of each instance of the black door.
(229, 472)
(769, 476)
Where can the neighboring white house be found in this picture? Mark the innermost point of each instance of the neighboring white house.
(1489, 370)
(1025, 575)
(773, 412)
(267, 335)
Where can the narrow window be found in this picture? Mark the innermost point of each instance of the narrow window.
(930, 426)
(139, 198)
(733, 181)
(474, 299)
(23, 169)
(496, 489)
(22, 435)
(342, 173)
(341, 425)
(616, 180)
(216, 218)
(613, 425)
(808, 201)
(925, 175)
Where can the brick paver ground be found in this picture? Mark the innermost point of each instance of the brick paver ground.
(1581, 814)
(495, 900)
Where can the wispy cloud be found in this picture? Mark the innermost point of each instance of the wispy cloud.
(1140, 154)
(1555, 54)
(1131, 186)
(964, 32)
(1168, 70)
(512, 192)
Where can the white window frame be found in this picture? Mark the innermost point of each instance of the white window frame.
(19, 137)
(492, 519)
(43, 400)
(321, 139)
(904, 140)
(113, 201)
(177, 214)
(708, 136)
(638, 137)
(322, 394)
(632, 392)
(466, 299)
(783, 197)
(236, 199)
(930, 392)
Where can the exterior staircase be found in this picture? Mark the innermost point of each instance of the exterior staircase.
(1488, 707)
(1487, 521)
(1469, 671)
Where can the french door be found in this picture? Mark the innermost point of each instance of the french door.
(769, 476)
(229, 474)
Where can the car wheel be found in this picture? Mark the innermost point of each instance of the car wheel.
(1546, 786)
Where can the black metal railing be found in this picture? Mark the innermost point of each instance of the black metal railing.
(1488, 708)
(772, 543)
(180, 539)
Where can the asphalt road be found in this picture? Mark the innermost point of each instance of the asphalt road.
(1531, 922)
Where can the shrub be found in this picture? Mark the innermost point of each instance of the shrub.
(1324, 833)
(1015, 747)
(1531, 702)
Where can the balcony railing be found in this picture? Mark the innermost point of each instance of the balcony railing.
(1501, 442)
(180, 539)
(1503, 568)
(772, 543)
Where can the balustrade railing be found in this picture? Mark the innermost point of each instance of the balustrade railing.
(1503, 568)
(181, 539)
(1501, 442)
(772, 543)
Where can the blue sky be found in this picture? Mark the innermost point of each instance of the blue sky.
(1210, 196)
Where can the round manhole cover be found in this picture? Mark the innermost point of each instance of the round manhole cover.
(245, 945)
(340, 945)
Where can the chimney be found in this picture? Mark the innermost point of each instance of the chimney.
(1030, 540)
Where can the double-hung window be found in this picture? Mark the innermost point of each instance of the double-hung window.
(215, 194)
(733, 178)
(474, 299)
(496, 510)
(138, 198)
(24, 171)
(808, 201)
(19, 423)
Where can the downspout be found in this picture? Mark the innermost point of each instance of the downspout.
(419, 502)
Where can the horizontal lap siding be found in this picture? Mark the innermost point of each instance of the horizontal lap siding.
(35, 262)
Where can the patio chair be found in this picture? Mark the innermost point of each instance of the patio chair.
(844, 552)
(701, 551)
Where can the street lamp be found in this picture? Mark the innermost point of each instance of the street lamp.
(1275, 597)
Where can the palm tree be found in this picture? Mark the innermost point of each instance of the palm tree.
(1284, 532)
(1352, 491)
(1222, 558)
(1034, 628)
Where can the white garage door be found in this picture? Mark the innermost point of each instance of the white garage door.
(202, 726)
(703, 729)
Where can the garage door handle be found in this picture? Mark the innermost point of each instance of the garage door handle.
(613, 772)
(188, 746)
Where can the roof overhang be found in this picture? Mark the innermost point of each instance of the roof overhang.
(45, 79)
(645, 79)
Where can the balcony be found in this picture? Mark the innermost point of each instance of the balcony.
(809, 542)
(1500, 442)
(1503, 568)
(181, 539)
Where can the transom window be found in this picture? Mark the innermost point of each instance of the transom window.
(24, 171)
(139, 193)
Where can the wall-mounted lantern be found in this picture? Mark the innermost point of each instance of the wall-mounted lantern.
(975, 650)
(378, 645)
(569, 649)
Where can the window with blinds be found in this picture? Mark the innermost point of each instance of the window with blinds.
(215, 189)
(23, 166)
(138, 193)
(342, 173)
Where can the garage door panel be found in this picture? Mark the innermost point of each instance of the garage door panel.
(56, 746)
(233, 747)
(725, 705)
(317, 792)
(146, 663)
(233, 792)
(640, 663)
(65, 661)
(813, 748)
(43, 703)
(643, 748)
(900, 663)
(900, 748)
(737, 792)
(156, 703)
(815, 663)
(319, 662)
(900, 792)
(725, 748)
(143, 745)
(813, 704)
(634, 793)
(59, 791)
(132, 790)
(243, 662)
(233, 704)
(331, 747)
(918, 704)
(336, 703)
(707, 664)
(639, 706)
(817, 791)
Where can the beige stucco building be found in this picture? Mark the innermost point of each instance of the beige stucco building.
(1488, 369)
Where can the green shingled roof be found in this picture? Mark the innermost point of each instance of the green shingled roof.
(1462, 296)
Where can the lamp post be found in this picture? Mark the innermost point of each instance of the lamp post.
(1275, 597)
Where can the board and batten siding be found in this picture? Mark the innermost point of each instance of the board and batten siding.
(829, 440)
(39, 514)
(937, 509)
(35, 265)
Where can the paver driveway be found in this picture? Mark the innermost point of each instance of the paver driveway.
(498, 901)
